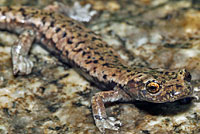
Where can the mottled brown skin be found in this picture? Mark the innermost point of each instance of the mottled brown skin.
(84, 50)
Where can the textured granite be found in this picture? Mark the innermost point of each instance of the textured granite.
(55, 99)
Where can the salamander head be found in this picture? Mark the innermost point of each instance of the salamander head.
(160, 87)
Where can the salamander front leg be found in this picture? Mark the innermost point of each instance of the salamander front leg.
(21, 64)
(99, 113)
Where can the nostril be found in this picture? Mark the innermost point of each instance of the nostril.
(188, 76)
(172, 93)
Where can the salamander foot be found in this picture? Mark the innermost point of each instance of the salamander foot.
(108, 123)
(21, 64)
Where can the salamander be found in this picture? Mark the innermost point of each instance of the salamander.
(74, 44)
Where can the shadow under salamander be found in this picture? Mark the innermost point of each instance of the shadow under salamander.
(169, 108)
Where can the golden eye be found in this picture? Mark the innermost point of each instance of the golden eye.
(152, 87)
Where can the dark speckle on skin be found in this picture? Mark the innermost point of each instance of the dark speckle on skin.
(64, 34)
(52, 24)
(69, 41)
(83, 53)
(57, 30)
(105, 64)
(97, 53)
(63, 25)
(88, 62)
(101, 58)
(86, 35)
(105, 76)
(95, 61)
(66, 52)
(94, 38)
(80, 42)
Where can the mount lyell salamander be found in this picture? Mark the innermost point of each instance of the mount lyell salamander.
(93, 58)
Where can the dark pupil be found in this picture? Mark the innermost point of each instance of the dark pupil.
(152, 88)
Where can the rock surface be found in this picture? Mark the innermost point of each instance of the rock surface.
(55, 99)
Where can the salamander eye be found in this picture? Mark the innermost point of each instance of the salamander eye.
(152, 87)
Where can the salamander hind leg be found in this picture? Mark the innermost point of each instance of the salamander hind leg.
(99, 113)
(19, 52)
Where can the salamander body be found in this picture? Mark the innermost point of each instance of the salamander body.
(93, 58)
